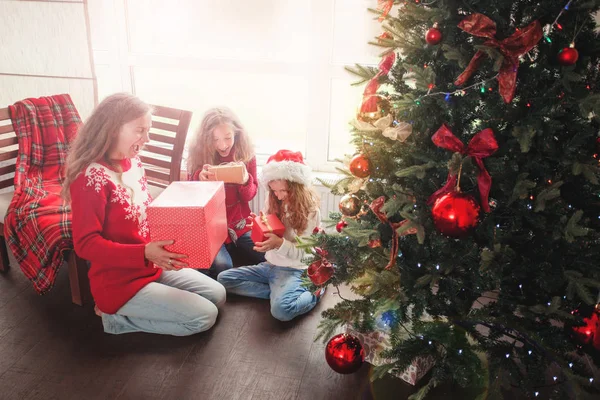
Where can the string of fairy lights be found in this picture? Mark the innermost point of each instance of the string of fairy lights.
(482, 86)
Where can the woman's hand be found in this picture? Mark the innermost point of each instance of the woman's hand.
(273, 242)
(161, 258)
(205, 174)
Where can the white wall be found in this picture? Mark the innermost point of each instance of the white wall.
(45, 50)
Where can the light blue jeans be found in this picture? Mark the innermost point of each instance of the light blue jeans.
(179, 303)
(243, 249)
(267, 281)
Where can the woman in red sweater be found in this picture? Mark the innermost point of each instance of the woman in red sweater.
(220, 139)
(137, 285)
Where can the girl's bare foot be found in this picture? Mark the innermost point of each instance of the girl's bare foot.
(97, 311)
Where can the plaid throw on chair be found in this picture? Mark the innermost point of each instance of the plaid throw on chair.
(37, 225)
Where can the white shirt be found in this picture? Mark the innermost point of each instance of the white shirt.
(288, 255)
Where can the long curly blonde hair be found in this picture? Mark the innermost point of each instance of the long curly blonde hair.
(99, 134)
(202, 149)
(301, 201)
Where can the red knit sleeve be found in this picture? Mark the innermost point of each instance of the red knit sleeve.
(88, 209)
(195, 176)
(248, 191)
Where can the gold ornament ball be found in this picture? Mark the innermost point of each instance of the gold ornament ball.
(383, 109)
(350, 205)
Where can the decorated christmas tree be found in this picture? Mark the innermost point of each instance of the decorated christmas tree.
(469, 227)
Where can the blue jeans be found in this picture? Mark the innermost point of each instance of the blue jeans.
(179, 303)
(242, 249)
(267, 281)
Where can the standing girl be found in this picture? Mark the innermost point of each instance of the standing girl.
(294, 202)
(137, 285)
(220, 139)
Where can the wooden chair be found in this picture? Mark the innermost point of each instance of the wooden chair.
(162, 155)
(9, 150)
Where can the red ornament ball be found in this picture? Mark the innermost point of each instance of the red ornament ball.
(341, 225)
(455, 214)
(320, 271)
(360, 166)
(344, 353)
(568, 56)
(433, 36)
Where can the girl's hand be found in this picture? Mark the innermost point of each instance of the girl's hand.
(161, 258)
(273, 242)
(205, 174)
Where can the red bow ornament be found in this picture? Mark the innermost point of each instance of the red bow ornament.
(482, 145)
(376, 206)
(370, 97)
(511, 48)
(385, 6)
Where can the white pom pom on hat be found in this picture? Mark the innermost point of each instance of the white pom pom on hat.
(287, 165)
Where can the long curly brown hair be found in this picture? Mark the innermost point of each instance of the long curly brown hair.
(301, 201)
(100, 132)
(202, 149)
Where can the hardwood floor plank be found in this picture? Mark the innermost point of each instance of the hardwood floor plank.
(52, 349)
(17, 386)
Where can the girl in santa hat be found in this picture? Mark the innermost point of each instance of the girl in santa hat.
(292, 199)
(221, 138)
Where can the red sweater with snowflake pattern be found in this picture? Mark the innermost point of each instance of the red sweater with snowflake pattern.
(110, 230)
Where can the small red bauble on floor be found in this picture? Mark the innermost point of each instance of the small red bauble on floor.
(341, 225)
(344, 353)
(568, 55)
(455, 214)
(360, 166)
(433, 36)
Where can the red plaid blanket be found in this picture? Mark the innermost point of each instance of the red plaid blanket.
(37, 225)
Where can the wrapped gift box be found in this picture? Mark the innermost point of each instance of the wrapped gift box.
(229, 173)
(376, 341)
(263, 224)
(193, 215)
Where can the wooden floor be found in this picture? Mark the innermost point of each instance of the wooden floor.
(52, 349)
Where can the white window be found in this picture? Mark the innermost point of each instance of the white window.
(279, 64)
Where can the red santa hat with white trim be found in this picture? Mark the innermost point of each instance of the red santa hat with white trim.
(288, 165)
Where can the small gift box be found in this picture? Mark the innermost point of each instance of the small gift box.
(193, 215)
(264, 224)
(229, 173)
(376, 341)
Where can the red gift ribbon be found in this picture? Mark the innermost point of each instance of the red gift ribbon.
(385, 7)
(480, 146)
(370, 97)
(511, 48)
(376, 206)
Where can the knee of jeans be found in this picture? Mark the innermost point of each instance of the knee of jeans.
(224, 278)
(282, 311)
(219, 295)
(205, 320)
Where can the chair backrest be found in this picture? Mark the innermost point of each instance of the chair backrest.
(9, 149)
(162, 155)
